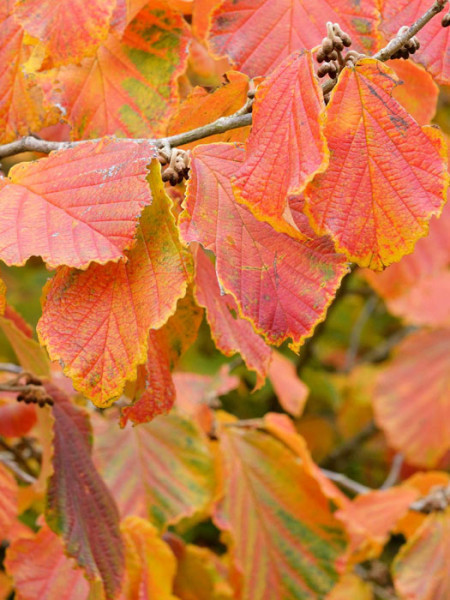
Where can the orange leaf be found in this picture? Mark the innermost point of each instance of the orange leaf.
(257, 35)
(282, 285)
(159, 394)
(420, 569)
(434, 39)
(150, 564)
(97, 321)
(387, 175)
(230, 333)
(351, 587)
(201, 108)
(8, 501)
(40, 569)
(21, 107)
(69, 29)
(284, 538)
(16, 419)
(370, 518)
(79, 505)
(129, 87)
(286, 146)
(412, 399)
(418, 93)
(200, 576)
(76, 206)
(166, 464)
(289, 388)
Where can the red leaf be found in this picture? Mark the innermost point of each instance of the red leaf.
(161, 470)
(230, 333)
(386, 177)
(69, 29)
(412, 399)
(282, 285)
(97, 321)
(258, 34)
(79, 505)
(286, 146)
(159, 394)
(417, 91)
(40, 569)
(16, 419)
(76, 206)
(434, 39)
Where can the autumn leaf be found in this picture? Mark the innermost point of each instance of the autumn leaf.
(159, 394)
(351, 586)
(119, 302)
(79, 505)
(420, 570)
(21, 107)
(258, 35)
(16, 419)
(286, 146)
(284, 538)
(201, 108)
(434, 39)
(387, 176)
(417, 92)
(282, 285)
(129, 88)
(166, 464)
(68, 29)
(77, 206)
(411, 401)
(150, 564)
(8, 501)
(40, 569)
(288, 387)
(230, 333)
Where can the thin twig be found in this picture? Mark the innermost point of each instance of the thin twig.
(352, 486)
(400, 40)
(30, 387)
(394, 473)
(10, 368)
(12, 466)
(351, 445)
(355, 335)
(19, 459)
(235, 121)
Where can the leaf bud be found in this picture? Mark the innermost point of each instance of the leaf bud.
(338, 44)
(333, 70)
(320, 56)
(327, 46)
(323, 70)
(346, 40)
(446, 20)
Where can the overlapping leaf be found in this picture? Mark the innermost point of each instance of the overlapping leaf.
(289, 388)
(420, 570)
(69, 29)
(412, 399)
(418, 93)
(231, 333)
(79, 505)
(162, 470)
(351, 586)
(259, 34)
(129, 87)
(150, 564)
(284, 538)
(21, 107)
(40, 569)
(282, 285)
(201, 108)
(76, 206)
(16, 419)
(386, 177)
(286, 146)
(97, 321)
(434, 39)
(159, 394)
